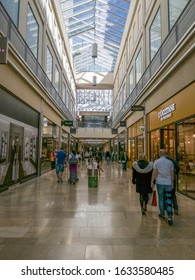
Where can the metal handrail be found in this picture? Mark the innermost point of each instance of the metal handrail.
(184, 22)
(10, 31)
(94, 124)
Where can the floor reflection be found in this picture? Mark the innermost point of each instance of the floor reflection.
(44, 219)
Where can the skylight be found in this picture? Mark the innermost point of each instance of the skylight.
(101, 22)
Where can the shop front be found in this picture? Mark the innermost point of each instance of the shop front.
(19, 143)
(50, 142)
(135, 141)
(122, 143)
(171, 126)
(114, 145)
(65, 140)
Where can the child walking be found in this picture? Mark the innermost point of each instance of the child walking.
(99, 167)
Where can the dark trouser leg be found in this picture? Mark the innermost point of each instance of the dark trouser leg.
(161, 198)
(145, 198)
(175, 205)
(141, 199)
(169, 203)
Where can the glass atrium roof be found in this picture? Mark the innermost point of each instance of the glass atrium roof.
(95, 21)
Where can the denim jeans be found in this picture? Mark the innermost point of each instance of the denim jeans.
(165, 199)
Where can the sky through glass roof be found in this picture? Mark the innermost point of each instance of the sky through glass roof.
(97, 21)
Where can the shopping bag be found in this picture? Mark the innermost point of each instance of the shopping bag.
(152, 198)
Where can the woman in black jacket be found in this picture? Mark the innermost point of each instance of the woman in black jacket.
(142, 174)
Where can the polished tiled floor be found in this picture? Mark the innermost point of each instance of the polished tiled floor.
(45, 220)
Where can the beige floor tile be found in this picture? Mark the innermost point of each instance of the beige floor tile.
(24, 252)
(98, 232)
(136, 252)
(41, 219)
(62, 252)
(13, 231)
(99, 252)
(179, 252)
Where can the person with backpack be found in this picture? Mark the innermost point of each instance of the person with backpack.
(73, 163)
(176, 172)
(163, 174)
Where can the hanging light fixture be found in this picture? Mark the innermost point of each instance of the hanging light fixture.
(94, 50)
(94, 56)
(94, 80)
(94, 45)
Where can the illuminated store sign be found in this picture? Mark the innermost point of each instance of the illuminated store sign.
(167, 112)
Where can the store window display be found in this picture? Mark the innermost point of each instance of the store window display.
(186, 156)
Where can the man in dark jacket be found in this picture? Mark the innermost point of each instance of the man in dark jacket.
(124, 160)
(176, 172)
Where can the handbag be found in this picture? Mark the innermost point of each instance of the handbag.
(153, 199)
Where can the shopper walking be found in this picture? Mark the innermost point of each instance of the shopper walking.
(99, 167)
(141, 177)
(52, 159)
(73, 163)
(60, 161)
(107, 157)
(86, 158)
(164, 177)
(124, 160)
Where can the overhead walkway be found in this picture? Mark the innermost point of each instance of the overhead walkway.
(94, 132)
(45, 220)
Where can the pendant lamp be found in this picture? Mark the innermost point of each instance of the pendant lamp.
(94, 80)
(94, 50)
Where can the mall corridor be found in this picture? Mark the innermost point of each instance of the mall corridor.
(45, 220)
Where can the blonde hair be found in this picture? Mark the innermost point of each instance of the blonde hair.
(142, 156)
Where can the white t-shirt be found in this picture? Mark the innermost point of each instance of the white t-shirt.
(95, 164)
(164, 167)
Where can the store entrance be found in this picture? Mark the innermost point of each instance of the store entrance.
(167, 139)
(186, 156)
(183, 152)
(163, 138)
(135, 148)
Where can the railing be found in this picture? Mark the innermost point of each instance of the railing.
(9, 30)
(94, 124)
(185, 21)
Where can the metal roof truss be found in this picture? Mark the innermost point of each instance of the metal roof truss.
(95, 21)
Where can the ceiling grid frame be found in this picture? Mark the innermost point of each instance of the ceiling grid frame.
(95, 21)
